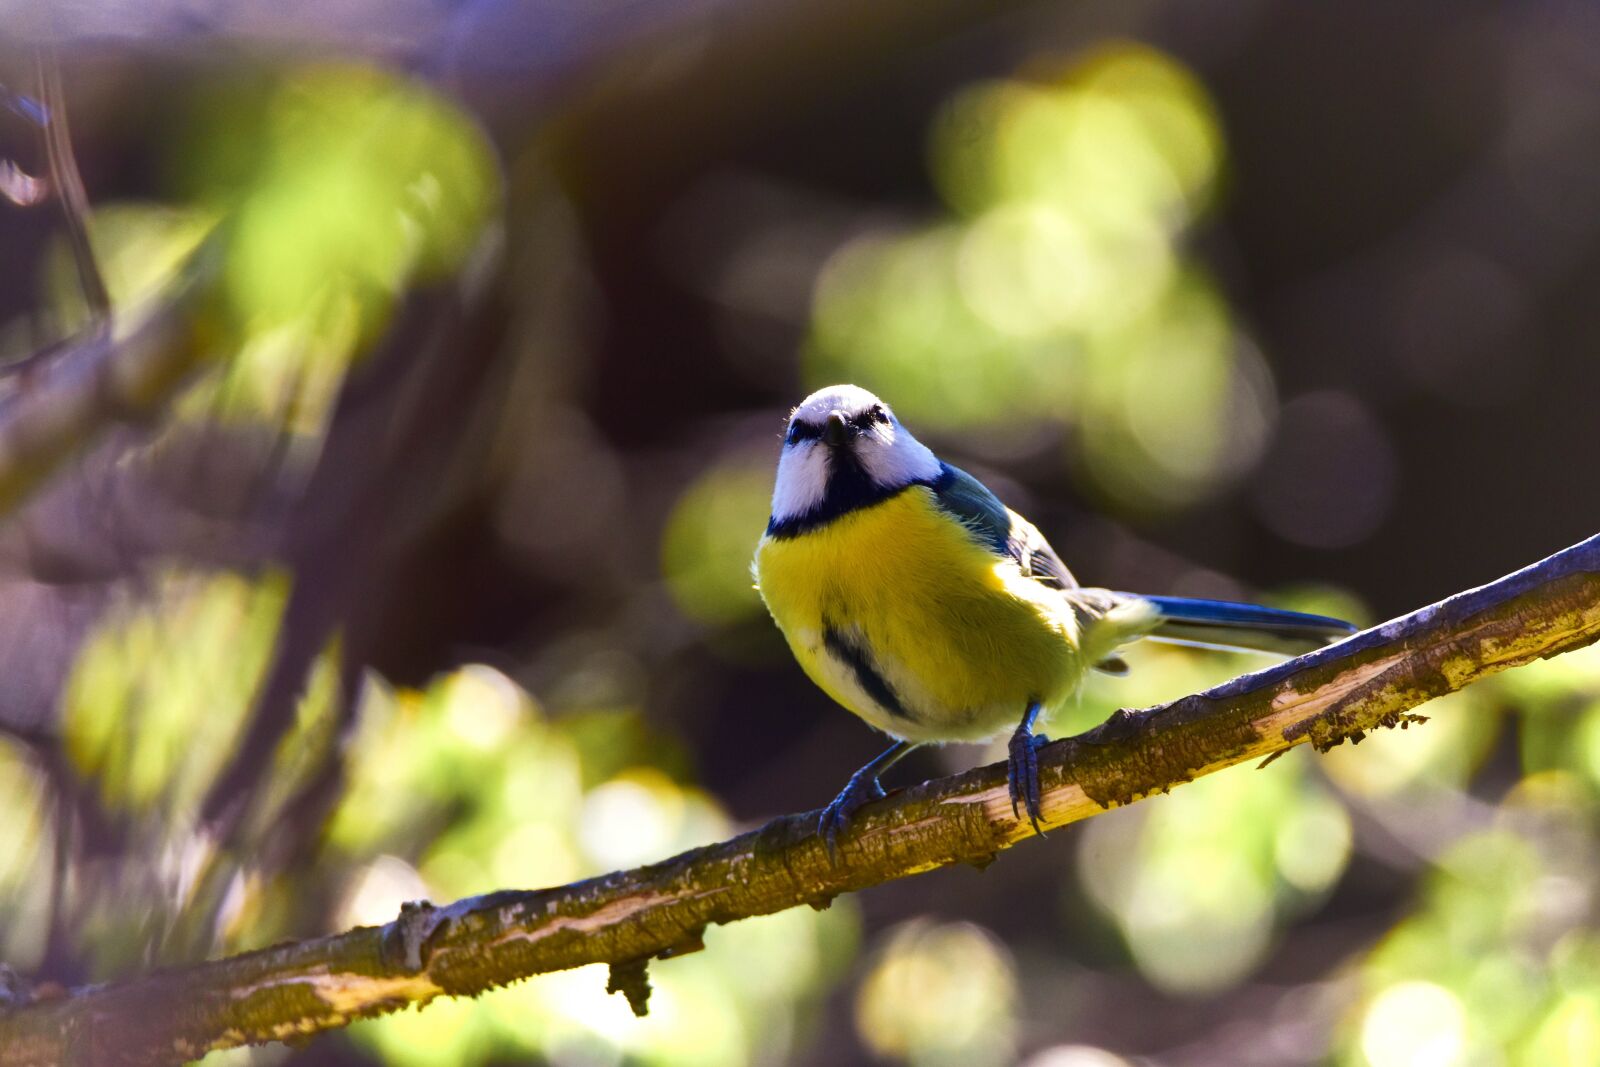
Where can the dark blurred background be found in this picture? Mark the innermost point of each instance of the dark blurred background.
(432, 578)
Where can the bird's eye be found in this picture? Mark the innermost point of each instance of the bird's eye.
(800, 431)
(878, 414)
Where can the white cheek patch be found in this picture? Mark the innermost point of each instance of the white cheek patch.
(889, 456)
(802, 479)
(892, 457)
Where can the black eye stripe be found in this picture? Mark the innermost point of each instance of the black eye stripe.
(861, 420)
(870, 417)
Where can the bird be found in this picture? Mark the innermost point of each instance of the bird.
(917, 600)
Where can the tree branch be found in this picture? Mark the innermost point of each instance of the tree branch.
(67, 184)
(627, 918)
(55, 401)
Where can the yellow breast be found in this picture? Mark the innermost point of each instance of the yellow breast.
(905, 618)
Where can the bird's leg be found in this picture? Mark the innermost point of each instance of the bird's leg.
(1022, 769)
(862, 787)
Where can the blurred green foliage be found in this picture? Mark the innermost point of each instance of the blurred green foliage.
(152, 711)
(1500, 963)
(28, 840)
(486, 792)
(711, 536)
(1562, 728)
(338, 178)
(1199, 881)
(139, 248)
(343, 186)
(161, 690)
(1057, 292)
(939, 995)
(1060, 292)
(1505, 925)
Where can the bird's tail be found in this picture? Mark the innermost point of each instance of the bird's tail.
(1226, 625)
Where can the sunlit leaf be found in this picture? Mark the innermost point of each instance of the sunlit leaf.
(1060, 294)
(1199, 881)
(342, 187)
(470, 779)
(710, 538)
(939, 993)
(161, 689)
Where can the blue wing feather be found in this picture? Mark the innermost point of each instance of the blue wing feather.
(1006, 532)
(1209, 623)
(970, 500)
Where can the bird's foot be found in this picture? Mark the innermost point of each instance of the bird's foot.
(862, 788)
(1022, 774)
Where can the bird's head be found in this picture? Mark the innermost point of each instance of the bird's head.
(845, 449)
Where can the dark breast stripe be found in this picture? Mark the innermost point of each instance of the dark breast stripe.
(850, 488)
(859, 661)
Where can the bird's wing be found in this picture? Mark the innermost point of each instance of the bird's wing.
(1008, 533)
(1207, 623)
(1004, 530)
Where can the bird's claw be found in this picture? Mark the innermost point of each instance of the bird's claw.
(1022, 775)
(862, 788)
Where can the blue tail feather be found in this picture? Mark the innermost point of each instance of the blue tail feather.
(1224, 624)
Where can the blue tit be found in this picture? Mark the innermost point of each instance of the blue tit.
(911, 595)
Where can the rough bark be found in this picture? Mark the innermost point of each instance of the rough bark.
(628, 918)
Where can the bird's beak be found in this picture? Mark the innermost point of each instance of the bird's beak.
(834, 433)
